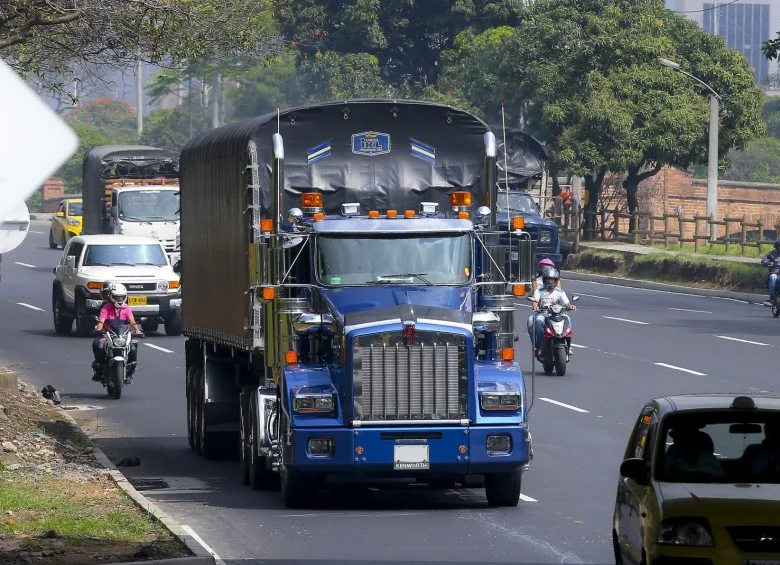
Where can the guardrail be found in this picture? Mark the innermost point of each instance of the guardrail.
(669, 228)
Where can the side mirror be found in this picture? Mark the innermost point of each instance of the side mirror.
(60, 214)
(113, 212)
(575, 298)
(54, 270)
(70, 261)
(635, 469)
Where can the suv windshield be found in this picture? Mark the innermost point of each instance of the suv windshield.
(720, 447)
(521, 203)
(419, 259)
(75, 209)
(139, 254)
(149, 206)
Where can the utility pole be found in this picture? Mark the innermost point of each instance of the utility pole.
(715, 19)
(139, 85)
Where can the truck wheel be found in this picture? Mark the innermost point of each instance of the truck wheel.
(207, 441)
(259, 476)
(296, 488)
(150, 326)
(62, 322)
(83, 325)
(191, 428)
(173, 324)
(503, 489)
(559, 358)
(52, 245)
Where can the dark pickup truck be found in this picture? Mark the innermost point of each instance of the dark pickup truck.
(545, 232)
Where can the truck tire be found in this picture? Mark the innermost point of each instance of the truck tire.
(296, 488)
(173, 325)
(191, 427)
(62, 322)
(559, 358)
(258, 475)
(83, 325)
(208, 445)
(503, 489)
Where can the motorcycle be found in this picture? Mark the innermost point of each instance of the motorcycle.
(116, 350)
(556, 347)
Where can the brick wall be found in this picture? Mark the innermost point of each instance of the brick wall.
(52, 192)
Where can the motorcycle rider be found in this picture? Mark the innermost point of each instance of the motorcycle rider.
(114, 314)
(539, 268)
(545, 296)
(772, 260)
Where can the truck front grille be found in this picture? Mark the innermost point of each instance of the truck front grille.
(423, 381)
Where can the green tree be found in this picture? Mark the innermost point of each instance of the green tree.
(89, 137)
(172, 128)
(329, 76)
(115, 119)
(263, 88)
(758, 162)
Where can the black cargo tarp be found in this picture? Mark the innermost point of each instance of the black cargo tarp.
(119, 161)
(524, 159)
(433, 150)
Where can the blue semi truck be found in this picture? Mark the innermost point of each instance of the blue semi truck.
(347, 312)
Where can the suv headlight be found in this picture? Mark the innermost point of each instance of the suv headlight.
(693, 532)
(313, 403)
(162, 286)
(500, 400)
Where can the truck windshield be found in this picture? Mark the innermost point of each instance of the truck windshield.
(149, 206)
(419, 259)
(107, 255)
(521, 203)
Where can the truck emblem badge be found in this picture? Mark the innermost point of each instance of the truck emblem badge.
(371, 143)
(422, 151)
(409, 334)
(318, 152)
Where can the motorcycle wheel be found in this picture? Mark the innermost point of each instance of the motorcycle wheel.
(559, 359)
(116, 375)
(776, 310)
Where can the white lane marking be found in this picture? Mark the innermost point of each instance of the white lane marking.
(157, 347)
(577, 345)
(38, 232)
(203, 544)
(81, 407)
(24, 264)
(683, 369)
(30, 306)
(687, 310)
(590, 295)
(741, 340)
(526, 498)
(626, 320)
(569, 406)
(350, 514)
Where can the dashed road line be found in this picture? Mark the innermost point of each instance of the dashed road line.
(24, 264)
(695, 311)
(157, 347)
(741, 340)
(203, 544)
(626, 320)
(578, 346)
(526, 498)
(30, 306)
(38, 232)
(590, 295)
(564, 405)
(683, 369)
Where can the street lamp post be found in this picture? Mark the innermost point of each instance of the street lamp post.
(712, 158)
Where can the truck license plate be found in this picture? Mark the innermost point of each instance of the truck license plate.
(136, 300)
(410, 457)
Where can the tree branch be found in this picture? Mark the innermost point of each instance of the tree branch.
(650, 173)
(29, 26)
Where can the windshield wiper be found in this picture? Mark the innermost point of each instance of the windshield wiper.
(152, 264)
(125, 264)
(385, 279)
(96, 265)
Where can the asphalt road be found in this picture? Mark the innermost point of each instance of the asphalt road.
(633, 345)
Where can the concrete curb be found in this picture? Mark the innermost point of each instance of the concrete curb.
(200, 555)
(41, 216)
(679, 289)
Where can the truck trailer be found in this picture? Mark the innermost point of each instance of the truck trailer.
(347, 309)
(132, 190)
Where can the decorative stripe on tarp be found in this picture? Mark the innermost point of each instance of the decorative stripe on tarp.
(318, 152)
(422, 151)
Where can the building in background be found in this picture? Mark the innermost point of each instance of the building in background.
(744, 24)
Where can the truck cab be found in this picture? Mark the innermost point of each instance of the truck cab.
(519, 203)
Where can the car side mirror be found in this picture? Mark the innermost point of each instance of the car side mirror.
(575, 298)
(636, 469)
(60, 214)
(113, 212)
(70, 261)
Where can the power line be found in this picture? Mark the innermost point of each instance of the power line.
(706, 9)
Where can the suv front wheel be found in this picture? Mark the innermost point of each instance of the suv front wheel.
(62, 322)
(84, 324)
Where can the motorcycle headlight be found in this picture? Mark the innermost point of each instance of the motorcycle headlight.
(694, 532)
(162, 286)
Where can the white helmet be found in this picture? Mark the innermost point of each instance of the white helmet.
(118, 294)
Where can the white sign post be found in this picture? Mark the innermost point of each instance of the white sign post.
(34, 141)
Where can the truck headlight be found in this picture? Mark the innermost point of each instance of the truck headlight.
(321, 446)
(500, 400)
(500, 444)
(162, 286)
(313, 403)
(693, 532)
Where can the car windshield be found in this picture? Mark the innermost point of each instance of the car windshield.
(515, 202)
(149, 206)
(75, 209)
(419, 259)
(720, 447)
(138, 254)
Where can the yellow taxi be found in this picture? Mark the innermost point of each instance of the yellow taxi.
(66, 222)
(700, 483)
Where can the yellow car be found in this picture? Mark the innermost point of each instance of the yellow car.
(700, 483)
(66, 222)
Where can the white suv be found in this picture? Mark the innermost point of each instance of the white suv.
(139, 263)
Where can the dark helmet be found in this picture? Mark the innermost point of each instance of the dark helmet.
(105, 291)
(777, 244)
(550, 276)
